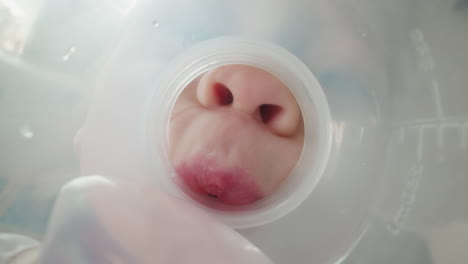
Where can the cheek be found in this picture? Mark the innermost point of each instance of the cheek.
(184, 136)
(277, 163)
(181, 129)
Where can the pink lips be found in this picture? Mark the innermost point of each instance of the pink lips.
(229, 186)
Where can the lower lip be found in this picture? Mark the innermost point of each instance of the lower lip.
(227, 186)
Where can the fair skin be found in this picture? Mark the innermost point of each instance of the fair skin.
(235, 134)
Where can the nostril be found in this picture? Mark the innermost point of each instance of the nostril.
(268, 112)
(223, 95)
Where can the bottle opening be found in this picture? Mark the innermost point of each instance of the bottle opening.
(241, 128)
(235, 135)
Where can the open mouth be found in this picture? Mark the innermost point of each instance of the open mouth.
(229, 186)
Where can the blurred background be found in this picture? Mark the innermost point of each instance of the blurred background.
(39, 116)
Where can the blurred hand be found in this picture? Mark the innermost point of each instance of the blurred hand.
(97, 220)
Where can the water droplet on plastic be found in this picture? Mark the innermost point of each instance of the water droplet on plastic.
(68, 54)
(363, 164)
(155, 23)
(364, 34)
(26, 132)
(442, 158)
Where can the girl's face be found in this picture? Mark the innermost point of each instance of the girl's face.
(236, 133)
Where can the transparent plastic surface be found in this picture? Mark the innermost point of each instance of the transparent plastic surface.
(394, 74)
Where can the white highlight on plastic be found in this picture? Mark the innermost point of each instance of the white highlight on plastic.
(426, 60)
(69, 53)
(408, 198)
(434, 123)
(26, 131)
(440, 126)
(437, 99)
(420, 146)
(13, 7)
(427, 65)
(463, 136)
(123, 6)
(89, 181)
(361, 135)
(402, 135)
(155, 23)
(251, 248)
(338, 128)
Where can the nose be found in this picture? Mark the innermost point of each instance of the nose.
(252, 91)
